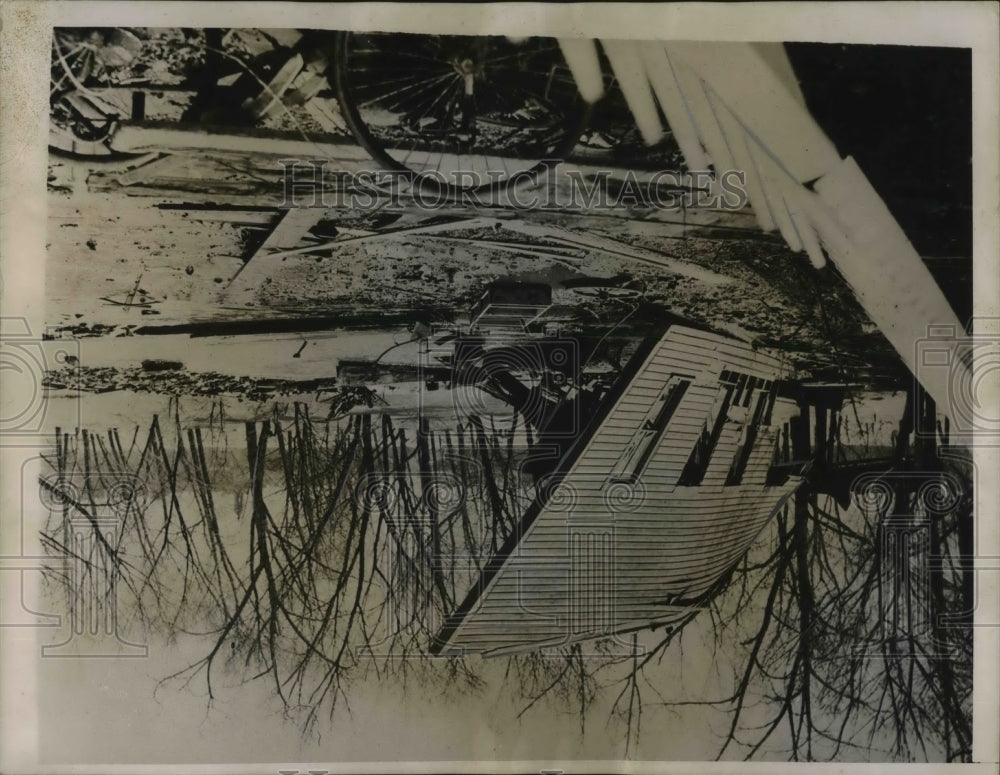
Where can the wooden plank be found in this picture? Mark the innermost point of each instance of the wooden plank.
(428, 226)
(611, 246)
(293, 225)
(152, 136)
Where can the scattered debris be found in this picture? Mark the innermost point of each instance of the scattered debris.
(159, 364)
(171, 378)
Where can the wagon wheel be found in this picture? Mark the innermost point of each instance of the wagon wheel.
(73, 61)
(80, 121)
(432, 107)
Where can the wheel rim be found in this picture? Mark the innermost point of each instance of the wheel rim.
(74, 62)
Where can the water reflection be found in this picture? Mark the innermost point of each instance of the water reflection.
(318, 554)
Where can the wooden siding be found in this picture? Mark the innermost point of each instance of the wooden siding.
(623, 554)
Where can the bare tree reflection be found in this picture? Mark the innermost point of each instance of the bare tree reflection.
(315, 553)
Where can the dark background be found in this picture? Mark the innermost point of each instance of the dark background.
(905, 114)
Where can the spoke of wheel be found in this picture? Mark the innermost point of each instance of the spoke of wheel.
(421, 161)
(448, 170)
(67, 71)
(495, 163)
(429, 108)
(447, 94)
(422, 85)
(479, 166)
(526, 54)
(515, 88)
(450, 112)
(534, 135)
(411, 146)
(554, 117)
(407, 54)
(417, 98)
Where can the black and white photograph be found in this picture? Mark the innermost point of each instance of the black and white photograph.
(582, 389)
